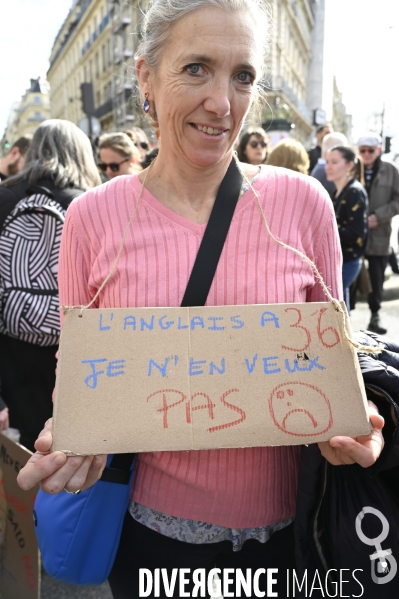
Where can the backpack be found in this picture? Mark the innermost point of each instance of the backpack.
(29, 251)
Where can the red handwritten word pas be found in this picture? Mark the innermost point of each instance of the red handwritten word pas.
(191, 406)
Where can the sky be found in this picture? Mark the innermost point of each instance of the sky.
(362, 50)
(27, 32)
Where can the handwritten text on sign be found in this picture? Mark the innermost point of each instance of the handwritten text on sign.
(154, 379)
(19, 563)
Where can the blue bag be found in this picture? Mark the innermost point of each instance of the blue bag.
(78, 535)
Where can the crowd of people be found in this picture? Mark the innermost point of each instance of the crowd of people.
(341, 201)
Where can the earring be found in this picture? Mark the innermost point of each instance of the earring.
(146, 105)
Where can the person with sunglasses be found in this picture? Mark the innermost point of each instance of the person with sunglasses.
(382, 185)
(252, 147)
(118, 155)
(140, 140)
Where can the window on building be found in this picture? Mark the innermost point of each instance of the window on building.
(85, 73)
(97, 63)
(104, 57)
(37, 100)
(91, 71)
(98, 98)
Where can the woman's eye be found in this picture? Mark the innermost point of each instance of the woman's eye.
(245, 77)
(194, 69)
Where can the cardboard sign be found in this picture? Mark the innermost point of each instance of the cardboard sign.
(153, 379)
(19, 554)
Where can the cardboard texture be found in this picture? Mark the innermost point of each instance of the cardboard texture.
(19, 554)
(154, 379)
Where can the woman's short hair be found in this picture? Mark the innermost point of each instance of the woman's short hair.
(244, 139)
(290, 153)
(122, 142)
(163, 14)
(60, 151)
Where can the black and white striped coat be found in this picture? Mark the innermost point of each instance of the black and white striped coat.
(30, 232)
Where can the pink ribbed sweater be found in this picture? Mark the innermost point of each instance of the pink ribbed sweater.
(237, 488)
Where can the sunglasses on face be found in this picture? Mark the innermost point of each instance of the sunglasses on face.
(114, 166)
(367, 150)
(142, 144)
(255, 144)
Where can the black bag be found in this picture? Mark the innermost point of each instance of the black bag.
(29, 250)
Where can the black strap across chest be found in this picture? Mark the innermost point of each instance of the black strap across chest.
(200, 280)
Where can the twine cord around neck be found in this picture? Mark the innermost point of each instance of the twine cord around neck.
(335, 302)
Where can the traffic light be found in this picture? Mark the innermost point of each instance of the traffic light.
(387, 144)
(87, 98)
(7, 145)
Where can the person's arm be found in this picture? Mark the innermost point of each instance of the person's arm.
(342, 450)
(54, 471)
(391, 207)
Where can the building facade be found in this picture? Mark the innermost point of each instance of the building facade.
(97, 42)
(294, 84)
(26, 115)
(96, 45)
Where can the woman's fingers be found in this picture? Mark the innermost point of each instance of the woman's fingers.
(363, 450)
(95, 471)
(78, 473)
(87, 474)
(40, 467)
(54, 471)
(44, 441)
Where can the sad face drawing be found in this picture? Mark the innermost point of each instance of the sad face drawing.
(300, 409)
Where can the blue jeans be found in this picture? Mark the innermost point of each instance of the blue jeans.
(350, 271)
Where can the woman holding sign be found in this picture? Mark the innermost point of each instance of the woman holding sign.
(199, 66)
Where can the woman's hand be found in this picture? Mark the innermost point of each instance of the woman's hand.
(361, 450)
(55, 471)
(4, 422)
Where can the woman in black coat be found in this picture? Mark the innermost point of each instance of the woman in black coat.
(350, 205)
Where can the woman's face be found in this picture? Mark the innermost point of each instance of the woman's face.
(255, 150)
(204, 85)
(112, 160)
(336, 166)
